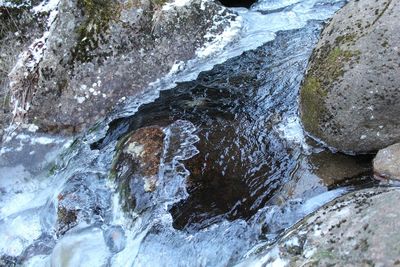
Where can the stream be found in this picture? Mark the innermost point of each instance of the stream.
(231, 128)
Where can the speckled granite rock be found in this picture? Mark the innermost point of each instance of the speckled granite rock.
(350, 95)
(96, 53)
(387, 163)
(358, 229)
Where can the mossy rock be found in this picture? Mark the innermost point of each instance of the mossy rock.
(349, 97)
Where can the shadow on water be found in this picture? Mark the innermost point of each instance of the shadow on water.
(243, 161)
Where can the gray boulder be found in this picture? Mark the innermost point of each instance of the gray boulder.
(387, 163)
(350, 97)
(20, 25)
(358, 229)
(96, 53)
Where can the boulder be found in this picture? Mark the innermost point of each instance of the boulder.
(95, 54)
(20, 25)
(358, 229)
(136, 165)
(350, 96)
(387, 163)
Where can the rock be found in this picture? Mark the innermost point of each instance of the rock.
(387, 163)
(115, 238)
(19, 26)
(136, 165)
(97, 53)
(80, 201)
(358, 229)
(349, 96)
(336, 168)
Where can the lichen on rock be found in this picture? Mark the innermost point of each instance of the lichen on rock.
(98, 53)
(349, 96)
(357, 229)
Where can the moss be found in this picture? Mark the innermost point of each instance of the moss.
(327, 66)
(322, 255)
(346, 39)
(312, 101)
(53, 169)
(158, 2)
(98, 15)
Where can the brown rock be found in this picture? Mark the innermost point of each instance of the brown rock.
(334, 168)
(136, 165)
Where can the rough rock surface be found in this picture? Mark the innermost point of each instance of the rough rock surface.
(387, 163)
(19, 26)
(96, 53)
(136, 166)
(358, 229)
(350, 95)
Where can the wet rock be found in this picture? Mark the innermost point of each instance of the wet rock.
(336, 168)
(19, 26)
(358, 229)
(81, 201)
(136, 166)
(387, 163)
(97, 53)
(350, 96)
(115, 238)
(8, 261)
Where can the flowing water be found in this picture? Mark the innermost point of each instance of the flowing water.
(234, 170)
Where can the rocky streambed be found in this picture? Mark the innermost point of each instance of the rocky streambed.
(152, 133)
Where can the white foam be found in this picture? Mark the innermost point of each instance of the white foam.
(175, 4)
(18, 233)
(219, 41)
(292, 131)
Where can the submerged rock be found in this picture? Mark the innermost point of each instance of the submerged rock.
(115, 238)
(387, 163)
(80, 201)
(336, 168)
(136, 166)
(358, 229)
(97, 53)
(350, 97)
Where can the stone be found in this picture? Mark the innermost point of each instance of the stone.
(115, 238)
(96, 54)
(387, 163)
(136, 165)
(80, 201)
(19, 26)
(350, 95)
(358, 229)
(336, 168)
